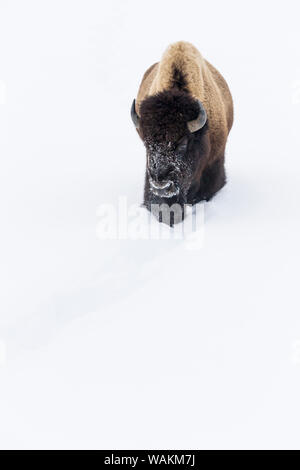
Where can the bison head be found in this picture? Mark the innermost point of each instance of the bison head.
(170, 124)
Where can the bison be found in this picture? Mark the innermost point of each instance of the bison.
(183, 113)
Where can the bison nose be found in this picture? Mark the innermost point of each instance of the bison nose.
(163, 174)
(160, 174)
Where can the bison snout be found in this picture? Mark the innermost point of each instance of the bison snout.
(160, 184)
(160, 173)
(165, 188)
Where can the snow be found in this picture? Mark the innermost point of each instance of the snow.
(145, 343)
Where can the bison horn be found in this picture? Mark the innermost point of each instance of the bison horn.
(200, 121)
(135, 118)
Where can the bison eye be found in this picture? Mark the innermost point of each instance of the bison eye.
(182, 145)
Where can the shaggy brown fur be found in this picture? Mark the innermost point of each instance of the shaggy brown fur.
(166, 101)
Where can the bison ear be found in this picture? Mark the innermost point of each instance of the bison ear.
(135, 118)
(199, 122)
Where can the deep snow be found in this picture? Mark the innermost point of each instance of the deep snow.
(145, 344)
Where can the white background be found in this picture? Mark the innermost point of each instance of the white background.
(139, 344)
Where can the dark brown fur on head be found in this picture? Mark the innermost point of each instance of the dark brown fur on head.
(164, 116)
